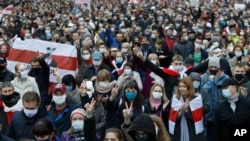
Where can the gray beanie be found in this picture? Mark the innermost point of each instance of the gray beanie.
(214, 61)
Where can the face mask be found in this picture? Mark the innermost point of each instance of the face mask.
(103, 50)
(226, 93)
(213, 72)
(47, 31)
(127, 71)
(78, 125)
(238, 53)
(142, 139)
(153, 36)
(186, 38)
(197, 46)
(1, 42)
(178, 68)
(36, 70)
(233, 34)
(245, 52)
(123, 30)
(196, 84)
(30, 113)
(130, 95)
(217, 30)
(119, 60)
(24, 74)
(177, 25)
(103, 83)
(239, 77)
(156, 95)
(10, 100)
(89, 93)
(86, 57)
(59, 100)
(97, 62)
(69, 88)
(246, 24)
(124, 50)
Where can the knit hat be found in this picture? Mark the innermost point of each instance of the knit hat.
(78, 111)
(195, 76)
(214, 61)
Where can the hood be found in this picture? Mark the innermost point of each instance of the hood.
(142, 122)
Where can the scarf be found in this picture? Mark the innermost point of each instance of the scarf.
(88, 62)
(79, 135)
(182, 73)
(107, 88)
(232, 101)
(157, 78)
(196, 108)
(157, 103)
(17, 107)
(118, 70)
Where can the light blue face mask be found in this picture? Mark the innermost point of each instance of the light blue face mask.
(245, 52)
(226, 93)
(196, 84)
(119, 60)
(69, 88)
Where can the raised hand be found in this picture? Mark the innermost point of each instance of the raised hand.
(127, 112)
(83, 88)
(39, 55)
(114, 93)
(165, 104)
(89, 108)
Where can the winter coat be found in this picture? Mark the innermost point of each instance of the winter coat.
(183, 48)
(89, 131)
(6, 76)
(225, 119)
(22, 87)
(21, 125)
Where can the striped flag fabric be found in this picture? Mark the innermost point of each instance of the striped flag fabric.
(7, 11)
(196, 108)
(60, 57)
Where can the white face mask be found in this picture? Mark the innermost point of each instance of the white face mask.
(59, 100)
(127, 71)
(124, 50)
(24, 74)
(89, 93)
(178, 68)
(78, 125)
(103, 50)
(154, 62)
(86, 57)
(197, 46)
(157, 95)
(30, 113)
(103, 83)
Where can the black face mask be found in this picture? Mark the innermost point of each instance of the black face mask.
(213, 72)
(209, 39)
(239, 77)
(36, 70)
(2, 68)
(11, 100)
(142, 139)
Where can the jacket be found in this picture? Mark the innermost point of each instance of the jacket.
(24, 86)
(89, 131)
(61, 121)
(6, 76)
(5, 138)
(136, 76)
(183, 48)
(91, 71)
(42, 80)
(214, 89)
(225, 119)
(21, 126)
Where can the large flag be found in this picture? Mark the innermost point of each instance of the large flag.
(58, 56)
(7, 11)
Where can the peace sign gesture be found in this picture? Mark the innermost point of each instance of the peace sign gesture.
(83, 88)
(89, 108)
(114, 93)
(127, 112)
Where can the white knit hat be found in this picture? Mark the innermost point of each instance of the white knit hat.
(78, 111)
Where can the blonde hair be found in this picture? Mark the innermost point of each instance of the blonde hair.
(177, 58)
(153, 56)
(162, 133)
(164, 97)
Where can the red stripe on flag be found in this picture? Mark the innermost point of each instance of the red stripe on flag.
(197, 114)
(8, 9)
(173, 115)
(63, 62)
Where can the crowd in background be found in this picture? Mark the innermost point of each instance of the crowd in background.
(147, 70)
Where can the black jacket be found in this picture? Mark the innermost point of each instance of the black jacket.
(225, 118)
(6, 76)
(91, 71)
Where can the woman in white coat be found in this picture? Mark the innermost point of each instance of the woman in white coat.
(22, 82)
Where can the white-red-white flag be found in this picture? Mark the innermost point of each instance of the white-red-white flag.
(8, 10)
(60, 57)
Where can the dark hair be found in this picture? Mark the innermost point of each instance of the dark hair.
(31, 96)
(116, 131)
(35, 59)
(138, 102)
(43, 127)
(7, 84)
(129, 64)
(68, 79)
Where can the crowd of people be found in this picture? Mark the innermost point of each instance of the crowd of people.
(152, 70)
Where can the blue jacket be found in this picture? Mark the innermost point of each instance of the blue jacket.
(62, 121)
(21, 125)
(215, 91)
